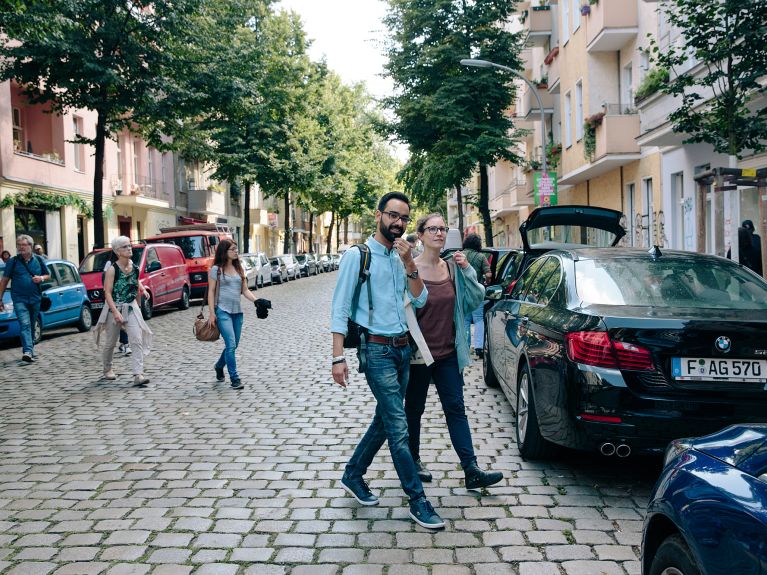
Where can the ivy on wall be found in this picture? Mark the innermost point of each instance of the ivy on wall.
(48, 201)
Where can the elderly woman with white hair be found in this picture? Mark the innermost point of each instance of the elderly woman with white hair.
(121, 288)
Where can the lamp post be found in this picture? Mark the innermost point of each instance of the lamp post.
(488, 64)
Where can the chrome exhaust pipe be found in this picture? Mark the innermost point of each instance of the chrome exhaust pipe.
(623, 450)
(607, 449)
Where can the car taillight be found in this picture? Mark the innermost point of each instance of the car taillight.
(596, 348)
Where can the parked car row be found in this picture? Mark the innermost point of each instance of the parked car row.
(291, 267)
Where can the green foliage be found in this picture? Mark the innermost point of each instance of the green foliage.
(589, 140)
(652, 83)
(451, 117)
(47, 201)
(728, 39)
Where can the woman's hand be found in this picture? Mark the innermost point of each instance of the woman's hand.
(211, 320)
(460, 259)
(118, 317)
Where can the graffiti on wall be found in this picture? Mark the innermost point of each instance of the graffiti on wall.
(648, 233)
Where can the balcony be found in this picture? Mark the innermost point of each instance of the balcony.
(536, 21)
(147, 192)
(210, 202)
(615, 145)
(259, 217)
(528, 105)
(552, 72)
(514, 197)
(611, 25)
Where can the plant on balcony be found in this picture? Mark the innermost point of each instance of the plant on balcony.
(553, 154)
(590, 134)
(17, 147)
(543, 82)
(523, 17)
(585, 10)
(593, 2)
(652, 82)
(532, 165)
(47, 201)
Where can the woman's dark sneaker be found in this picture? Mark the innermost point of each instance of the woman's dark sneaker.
(477, 478)
(236, 384)
(423, 473)
(219, 373)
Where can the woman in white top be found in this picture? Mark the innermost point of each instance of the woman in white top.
(228, 278)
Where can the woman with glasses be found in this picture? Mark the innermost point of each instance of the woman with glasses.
(121, 289)
(453, 293)
(226, 283)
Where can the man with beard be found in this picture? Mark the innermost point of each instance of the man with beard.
(393, 276)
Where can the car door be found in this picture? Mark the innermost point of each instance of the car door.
(173, 272)
(65, 294)
(153, 276)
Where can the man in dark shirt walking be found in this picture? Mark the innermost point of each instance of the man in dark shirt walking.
(26, 272)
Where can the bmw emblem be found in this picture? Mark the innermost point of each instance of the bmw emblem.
(723, 344)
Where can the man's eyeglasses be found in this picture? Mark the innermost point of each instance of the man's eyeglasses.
(434, 230)
(397, 216)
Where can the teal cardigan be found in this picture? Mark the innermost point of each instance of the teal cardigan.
(469, 294)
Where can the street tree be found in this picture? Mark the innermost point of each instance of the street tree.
(115, 57)
(452, 118)
(721, 52)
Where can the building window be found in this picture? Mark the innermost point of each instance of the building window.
(31, 223)
(150, 169)
(627, 90)
(568, 119)
(648, 223)
(579, 111)
(120, 172)
(576, 14)
(634, 239)
(77, 148)
(18, 130)
(565, 21)
(135, 162)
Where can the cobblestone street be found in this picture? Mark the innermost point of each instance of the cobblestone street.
(190, 476)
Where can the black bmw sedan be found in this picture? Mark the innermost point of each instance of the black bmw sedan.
(622, 350)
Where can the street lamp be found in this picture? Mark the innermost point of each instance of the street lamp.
(488, 64)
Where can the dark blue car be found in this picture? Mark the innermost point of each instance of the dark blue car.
(708, 512)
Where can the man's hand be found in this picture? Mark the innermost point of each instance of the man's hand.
(404, 250)
(37, 279)
(2, 305)
(341, 373)
(460, 259)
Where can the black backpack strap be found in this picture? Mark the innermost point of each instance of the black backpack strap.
(362, 278)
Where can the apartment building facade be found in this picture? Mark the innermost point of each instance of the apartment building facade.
(587, 60)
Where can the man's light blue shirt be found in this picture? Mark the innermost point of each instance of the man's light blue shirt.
(388, 286)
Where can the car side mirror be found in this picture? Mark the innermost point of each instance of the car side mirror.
(153, 267)
(494, 293)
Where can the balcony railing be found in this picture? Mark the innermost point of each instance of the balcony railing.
(611, 25)
(537, 22)
(528, 104)
(141, 186)
(618, 131)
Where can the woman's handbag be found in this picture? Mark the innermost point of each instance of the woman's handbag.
(202, 330)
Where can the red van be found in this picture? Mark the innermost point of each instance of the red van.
(162, 270)
(198, 243)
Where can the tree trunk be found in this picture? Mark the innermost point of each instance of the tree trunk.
(460, 207)
(311, 228)
(346, 230)
(286, 243)
(330, 230)
(98, 182)
(484, 209)
(338, 234)
(246, 220)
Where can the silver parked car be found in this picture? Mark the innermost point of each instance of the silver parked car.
(291, 264)
(257, 269)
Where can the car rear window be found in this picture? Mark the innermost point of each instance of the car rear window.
(94, 262)
(571, 235)
(689, 282)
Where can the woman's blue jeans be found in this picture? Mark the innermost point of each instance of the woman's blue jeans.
(388, 368)
(478, 317)
(230, 326)
(449, 383)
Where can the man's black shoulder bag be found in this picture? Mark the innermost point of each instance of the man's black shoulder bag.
(354, 331)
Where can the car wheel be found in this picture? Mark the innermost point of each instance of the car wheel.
(491, 380)
(279, 279)
(531, 443)
(183, 303)
(37, 330)
(674, 558)
(146, 307)
(85, 322)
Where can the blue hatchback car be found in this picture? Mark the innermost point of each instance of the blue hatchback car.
(69, 304)
(708, 512)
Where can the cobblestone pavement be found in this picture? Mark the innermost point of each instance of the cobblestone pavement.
(190, 476)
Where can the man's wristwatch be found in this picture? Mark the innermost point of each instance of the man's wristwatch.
(413, 275)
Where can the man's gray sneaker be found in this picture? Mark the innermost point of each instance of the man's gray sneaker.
(423, 513)
(358, 489)
(27, 358)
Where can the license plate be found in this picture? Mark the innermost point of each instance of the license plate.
(710, 369)
(97, 305)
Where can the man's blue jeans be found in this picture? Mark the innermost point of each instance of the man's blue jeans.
(388, 369)
(478, 316)
(230, 326)
(27, 313)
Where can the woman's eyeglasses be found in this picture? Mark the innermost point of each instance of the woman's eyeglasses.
(434, 230)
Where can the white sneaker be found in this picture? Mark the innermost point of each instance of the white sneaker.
(121, 348)
(127, 349)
